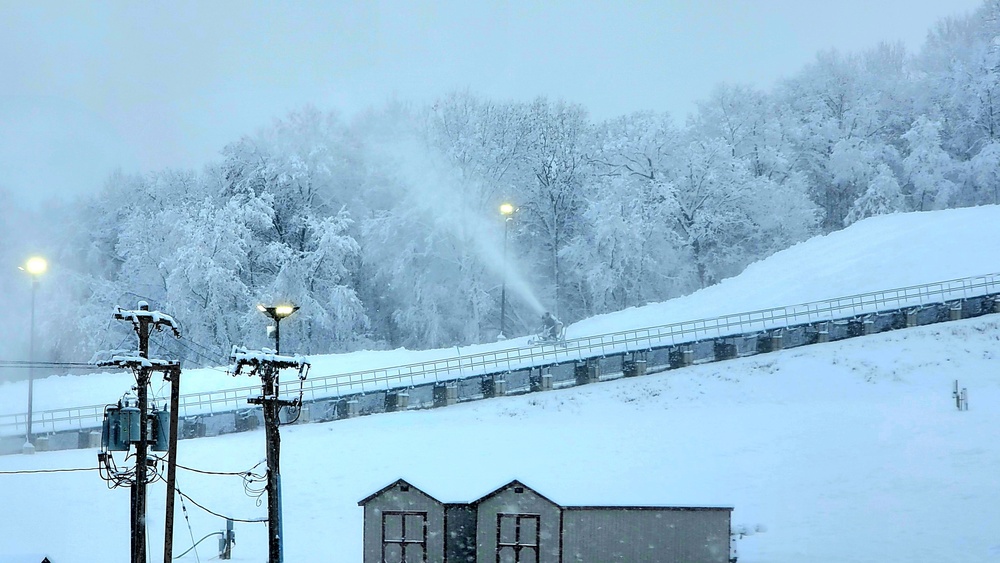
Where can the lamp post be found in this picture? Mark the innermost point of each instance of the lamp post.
(271, 406)
(506, 210)
(35, 266)
(277, 312)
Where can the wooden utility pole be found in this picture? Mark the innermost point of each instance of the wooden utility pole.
(168, 523)
(266, 364)
(142, 321)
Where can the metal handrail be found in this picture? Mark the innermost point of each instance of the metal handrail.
(458, 367)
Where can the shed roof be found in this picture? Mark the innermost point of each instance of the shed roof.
(514, 483)
(399, 482)
(517, 482)
(651, 508)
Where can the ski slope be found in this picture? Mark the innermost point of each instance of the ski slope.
(851, 451)
(879, 253)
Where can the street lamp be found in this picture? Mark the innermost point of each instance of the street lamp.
(35, 266)
(277, 312)
(507, 210)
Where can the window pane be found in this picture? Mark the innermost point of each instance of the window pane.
(414, 527)
(393, 553)
(528, 555)
(529, 531)
(393, 524)
(508, 529)
(414, 553)
(506, 555)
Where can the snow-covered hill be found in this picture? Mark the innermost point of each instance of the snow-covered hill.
(885, 252)
(879, 253)
(847, 452)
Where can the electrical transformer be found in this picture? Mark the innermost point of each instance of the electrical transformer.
(122, 427)
(112, 437)
(131, 424)
(159, 440)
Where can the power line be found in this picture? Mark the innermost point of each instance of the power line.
(203, 347)
(213, 513)
(210, 534)
(210, 359)
(230, 473)
(250, 479)
(27, 471)
(30, 364)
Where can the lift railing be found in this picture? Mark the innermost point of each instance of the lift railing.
(462, 366)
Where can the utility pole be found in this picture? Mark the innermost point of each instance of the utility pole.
(266, 364)
(142, 321)
(168, 522)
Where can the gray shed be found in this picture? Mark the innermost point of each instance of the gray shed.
(651, 534)
(403, 524)
(515, 524)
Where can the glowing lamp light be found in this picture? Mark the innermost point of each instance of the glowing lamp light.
(506, 209)
(36, 266)
(277, 312)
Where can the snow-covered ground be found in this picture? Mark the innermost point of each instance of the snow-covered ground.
(847, 452)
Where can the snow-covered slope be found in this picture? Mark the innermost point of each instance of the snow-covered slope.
(851, 451)
(847, 452)
(885, 252)
(878, 253)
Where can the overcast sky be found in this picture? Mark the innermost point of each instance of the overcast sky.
(88, 87)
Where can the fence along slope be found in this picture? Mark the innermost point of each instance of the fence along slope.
(511, 359)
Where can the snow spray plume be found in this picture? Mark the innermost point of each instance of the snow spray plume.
(436, 187)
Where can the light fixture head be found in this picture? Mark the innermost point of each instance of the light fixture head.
(36, 265)
(506, 209)
(284, 310)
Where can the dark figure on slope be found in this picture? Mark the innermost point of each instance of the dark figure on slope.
(551, 327)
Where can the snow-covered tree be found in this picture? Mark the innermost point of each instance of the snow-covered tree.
(629, 253)
(883, 196)
(928, 167)
(555, 168)
(983, 172)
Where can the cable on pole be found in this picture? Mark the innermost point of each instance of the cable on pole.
(197, 543)
(32, 471)
(12, 364)
(188, 520)
(213, 513)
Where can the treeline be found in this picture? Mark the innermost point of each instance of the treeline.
(386, 229)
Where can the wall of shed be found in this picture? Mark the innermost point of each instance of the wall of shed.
(509, 502)
(460, 530)
(647, 535)
(412, 500)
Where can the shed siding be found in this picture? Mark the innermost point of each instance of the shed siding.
(647, 535)
(509, 502)
(460, 525)
(395, 499)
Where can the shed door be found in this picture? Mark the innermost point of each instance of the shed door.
(404, 537)
(518, 536)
